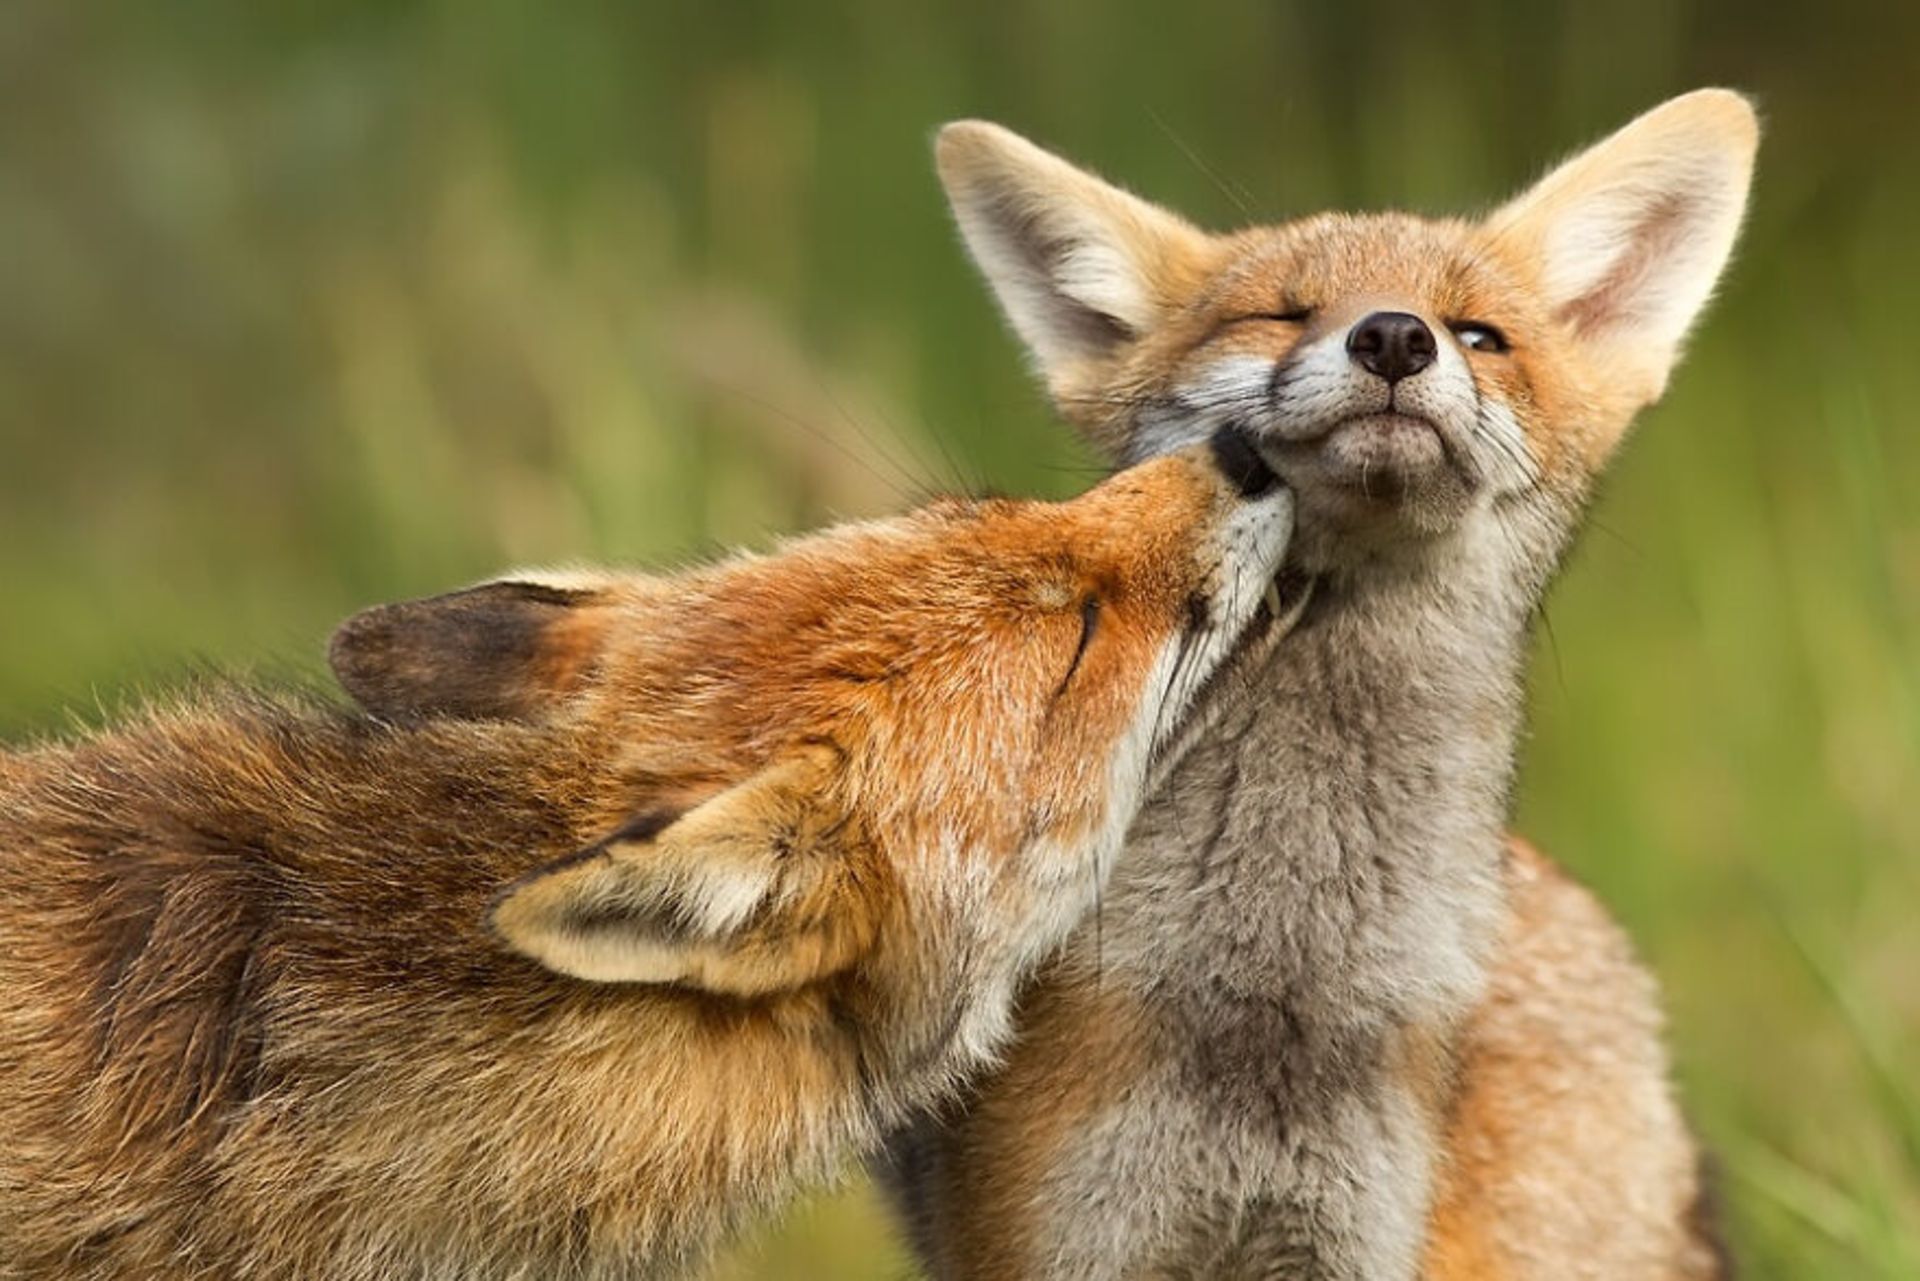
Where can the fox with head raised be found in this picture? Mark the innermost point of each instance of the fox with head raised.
(638, 902)
(1334, 1024)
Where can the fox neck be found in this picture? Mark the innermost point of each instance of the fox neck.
(952, 996)
(1348, 809)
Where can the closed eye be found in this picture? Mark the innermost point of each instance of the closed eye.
(1291, 314)
(1089, 623)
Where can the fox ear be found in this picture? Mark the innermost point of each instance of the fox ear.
(509, 650)
(1629, 236)
(753, 891)
(1079, 266)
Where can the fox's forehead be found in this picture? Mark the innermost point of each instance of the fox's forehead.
(1444, 264)
(960, 549)
(952, 558)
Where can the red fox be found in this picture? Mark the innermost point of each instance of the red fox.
(1333, 1024)
(644, 901)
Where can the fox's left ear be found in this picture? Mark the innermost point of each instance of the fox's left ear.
(510, 650)
(1629, 236)
(1079, 266)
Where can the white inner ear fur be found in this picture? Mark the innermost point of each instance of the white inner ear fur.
(1073, 260)
(1631, 235)
(639, 913)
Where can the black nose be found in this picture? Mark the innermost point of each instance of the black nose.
(1241, 463)
(1392, 344)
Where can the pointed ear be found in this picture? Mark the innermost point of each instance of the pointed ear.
(505, 650)
(1629, 236)
(1079, 266)
(753, 891)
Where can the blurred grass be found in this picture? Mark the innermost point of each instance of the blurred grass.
(307, 306)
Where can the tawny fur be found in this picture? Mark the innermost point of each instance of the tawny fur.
(824, 809)
(1326, 1026)
(1564, 1155)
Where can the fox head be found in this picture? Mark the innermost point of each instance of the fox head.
(890, 751)
(1412, 379)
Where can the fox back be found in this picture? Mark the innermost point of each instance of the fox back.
(636, 904)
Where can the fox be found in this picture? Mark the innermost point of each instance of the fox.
(1335, 1022)
(622, 906)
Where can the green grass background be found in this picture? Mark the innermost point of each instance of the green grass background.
(306, 305)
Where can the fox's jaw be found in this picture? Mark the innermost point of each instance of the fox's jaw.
(1539, 331)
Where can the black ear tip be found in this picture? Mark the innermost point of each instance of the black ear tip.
(473, 653)
(361, 654)
(354, 640)
(390, 660)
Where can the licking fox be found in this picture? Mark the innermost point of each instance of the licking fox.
(627, 906)
(1334, 1024)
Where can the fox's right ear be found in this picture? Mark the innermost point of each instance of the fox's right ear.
(1079, 266)
(759, 889)
(1629, 236)
(503, 650)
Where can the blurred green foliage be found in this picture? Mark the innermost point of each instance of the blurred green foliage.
(308, 305)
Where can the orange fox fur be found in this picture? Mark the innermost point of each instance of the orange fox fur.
(1331, 1028)
(639, 903)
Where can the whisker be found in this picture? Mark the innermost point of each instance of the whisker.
(1237, 197)
(906, 493)
(1099, 934)
(846, 416)
(1553, 647)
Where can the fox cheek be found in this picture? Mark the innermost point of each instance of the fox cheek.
(1233, 390)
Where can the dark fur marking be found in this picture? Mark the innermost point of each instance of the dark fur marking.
(1089, 623)
(630, 921)
(642, 827)
(176, 1022)
(1240, 462)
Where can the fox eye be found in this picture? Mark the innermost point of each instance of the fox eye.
(1291, 314)
(1475, 336)
(1089, 623)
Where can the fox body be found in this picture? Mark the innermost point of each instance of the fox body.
(1333, 1024)
(637, 904)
